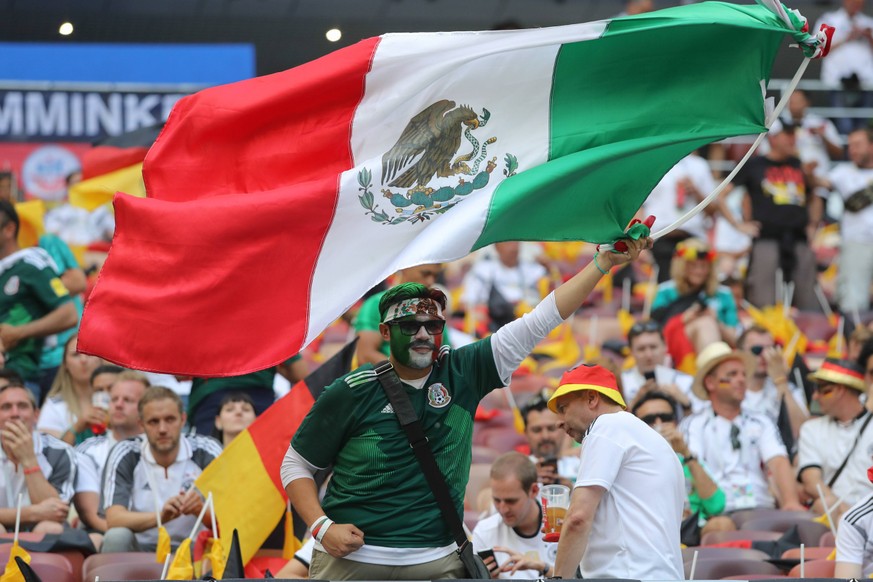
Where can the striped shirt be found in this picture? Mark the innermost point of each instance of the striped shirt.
(133, 480)
(853, 536)
(92, 454)
(57, 462)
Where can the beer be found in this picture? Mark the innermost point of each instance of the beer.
(555, 519)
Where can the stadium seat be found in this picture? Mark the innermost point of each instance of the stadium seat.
(52, 559)
(121, 571)
(716, 568)
(727, 553)
(827, 540)
(484, 455)
(741, 517)
(718, 537)
(755, 577)
(814, 569)
(97, 560)
(503, 439)
(809, 553)
(810, 531)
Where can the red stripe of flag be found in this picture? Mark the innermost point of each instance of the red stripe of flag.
(841, 370)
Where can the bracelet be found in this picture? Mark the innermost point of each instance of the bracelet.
(688, 459)
(32, 470)
(319, 533)
(596, 264)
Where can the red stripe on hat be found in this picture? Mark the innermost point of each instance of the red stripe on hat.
(841, 370)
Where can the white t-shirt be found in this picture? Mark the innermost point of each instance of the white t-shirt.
(635, 533)
(824, 443)
(739, 472)
(55, 415)
(492, 531)
(632, 381)
(847, 179)
(854, 545)
(56, 460)
(669, 201)
(91, 455)
(849, 57)
(519, 283)
(766, 400)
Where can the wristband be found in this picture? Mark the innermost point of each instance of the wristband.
(596, 264)
(32, 470)
(320, 530)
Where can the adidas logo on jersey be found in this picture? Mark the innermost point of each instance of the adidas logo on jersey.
(388, 409)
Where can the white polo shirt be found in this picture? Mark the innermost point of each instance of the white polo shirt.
(737, 470)
(847, 179)
(91, 455)
(635, 533)
(55, 458)
(632, 380)
(824, 443)
(492, 532)
(854, 545)
(135, 481)
(767, 401)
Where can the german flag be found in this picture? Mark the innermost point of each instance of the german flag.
(244, 480)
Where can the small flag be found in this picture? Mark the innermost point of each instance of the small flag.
(13, 572)
(182, 567)
(163, 549)
(216, 558)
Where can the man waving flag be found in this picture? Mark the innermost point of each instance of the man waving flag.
(275, 203)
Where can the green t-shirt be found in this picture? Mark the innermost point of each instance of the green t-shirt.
(203, 387)
(705, 508)
(368, 320)
(53, 347)
(31, 289)
(377, 484)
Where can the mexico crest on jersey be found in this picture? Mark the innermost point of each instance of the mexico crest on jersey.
(438, 396)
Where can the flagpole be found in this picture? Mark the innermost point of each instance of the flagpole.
(199, 519)
(650, 293)
(819, 293)
(17, 518)
(211, 501)
(166, 567)
(693, 565)
(827, 509)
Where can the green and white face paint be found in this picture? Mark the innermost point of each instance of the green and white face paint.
(417, 351)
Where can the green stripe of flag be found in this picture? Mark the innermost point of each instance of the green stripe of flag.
(626, 107)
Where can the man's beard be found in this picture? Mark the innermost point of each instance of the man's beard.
(547, 449)
(420, 361)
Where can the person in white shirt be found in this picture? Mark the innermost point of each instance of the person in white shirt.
(853, 181)
(854, 540)
(649, 350)
(513, 533)
(834, 449)
(737, 446)
(626, 508)
(769, 387)
(144, 476)
(849, 65)
(547, 441)
(126, 388)
(499, 286)
(38, 467)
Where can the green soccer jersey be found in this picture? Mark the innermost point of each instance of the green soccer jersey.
(29, 289)
(377, 484)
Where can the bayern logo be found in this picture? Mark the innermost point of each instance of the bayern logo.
(438, 396)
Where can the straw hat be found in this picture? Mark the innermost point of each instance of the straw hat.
(588, 377)
(842, 372)
(713, 355)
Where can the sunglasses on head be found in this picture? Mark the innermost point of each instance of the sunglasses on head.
(644, 327)
(410, 328)
(662, 416)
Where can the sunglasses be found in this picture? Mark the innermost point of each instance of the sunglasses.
(662, 416)
(757, 350)
(735, 437)
(410, 328)
(825, 389)
(644, 327)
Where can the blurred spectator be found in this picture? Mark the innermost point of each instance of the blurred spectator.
(834, 449)
(157, 471)
(705, 499)
(69, 412)
(769, 385)
(681, 188)
(297, 567)
(649, 374)
(514, 531)
(779, 201)
(74, 279)
(235, 413)
(372, 348)
(495, 289)
(547, 442)
(8, 190)
(39, 467)
(693, 307)
(855, 540)
(77, 226)
(848, 70)
(34, 303)
(739, 448)
(865, 361)
(207, 394)
(125, 389)
(818, 141)
(632, 7)
(852, 181)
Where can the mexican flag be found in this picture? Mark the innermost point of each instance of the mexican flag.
(275, 203)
